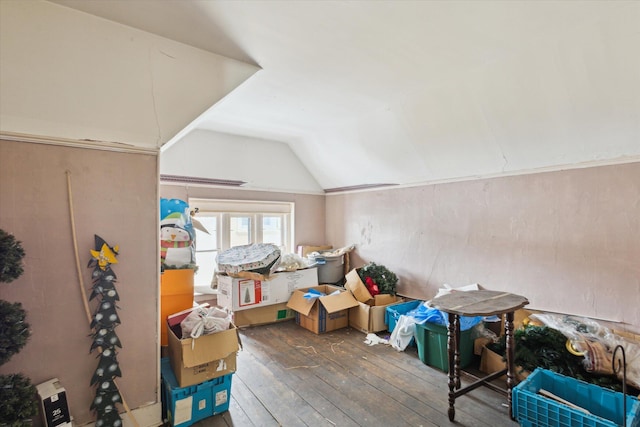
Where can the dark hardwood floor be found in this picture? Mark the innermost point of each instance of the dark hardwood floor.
(288, 376)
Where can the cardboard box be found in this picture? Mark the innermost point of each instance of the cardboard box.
(184, 406)
(323, 314)
(245, 293)
(479, 343)
(370, 318)
(491, 362)
(209, 356)
(263, 315)
(53, 404)
(356, 287)
(520, 318)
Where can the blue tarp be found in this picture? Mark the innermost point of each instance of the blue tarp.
(424, 314)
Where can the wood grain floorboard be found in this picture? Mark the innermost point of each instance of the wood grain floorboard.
(288, 376)
(375, 372)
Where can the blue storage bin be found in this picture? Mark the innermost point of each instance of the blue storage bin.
(605, 405)
(393, 312)
(184, 406)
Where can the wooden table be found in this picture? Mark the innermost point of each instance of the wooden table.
(477, 303)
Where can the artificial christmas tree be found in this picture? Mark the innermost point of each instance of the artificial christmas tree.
(17, 395)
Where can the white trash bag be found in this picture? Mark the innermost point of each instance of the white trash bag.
(403, 332)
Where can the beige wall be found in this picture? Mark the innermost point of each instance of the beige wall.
(309, 209)
(114, 196)
(569, 241)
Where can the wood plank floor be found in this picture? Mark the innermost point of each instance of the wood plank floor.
(288, 376)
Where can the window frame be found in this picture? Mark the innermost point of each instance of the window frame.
(224, 210)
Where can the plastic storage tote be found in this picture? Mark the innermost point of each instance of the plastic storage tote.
(431, 340)
(393, 312)
(605, 406)
(330, 268)
(184, 406)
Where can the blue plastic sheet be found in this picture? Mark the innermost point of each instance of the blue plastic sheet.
(424, 314)
(312, 294)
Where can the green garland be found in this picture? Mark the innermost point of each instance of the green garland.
(381, 275)
(544, 347)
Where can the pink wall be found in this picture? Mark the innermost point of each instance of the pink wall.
(309, 209)
(569, 241)
(115, 196)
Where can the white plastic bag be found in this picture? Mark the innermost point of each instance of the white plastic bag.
(204, 321)
(403, 332)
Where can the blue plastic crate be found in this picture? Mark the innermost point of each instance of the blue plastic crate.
(393, 312)
(605, 405)
(184, 406)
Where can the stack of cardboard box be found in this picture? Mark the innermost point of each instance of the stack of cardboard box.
(196, 377)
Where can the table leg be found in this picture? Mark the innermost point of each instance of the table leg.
(508, 329)
(456, 360)
(451, 348)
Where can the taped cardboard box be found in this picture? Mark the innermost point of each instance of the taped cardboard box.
(247, 293)
(195, 360)
(323, 314)
(263, 315)
(370, 317)
(359, 290)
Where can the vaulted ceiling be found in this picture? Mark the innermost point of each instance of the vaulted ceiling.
(405, 92)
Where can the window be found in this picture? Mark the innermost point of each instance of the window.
(234, 223)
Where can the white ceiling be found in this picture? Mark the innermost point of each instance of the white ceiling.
(405, 92)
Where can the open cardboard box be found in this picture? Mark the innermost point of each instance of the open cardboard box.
(323, 314)
(359, 290)
(195, 360)
(370, 317)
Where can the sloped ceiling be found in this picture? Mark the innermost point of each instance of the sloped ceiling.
(68, 75)
(407, 92)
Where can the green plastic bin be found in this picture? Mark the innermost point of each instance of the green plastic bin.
(431, 340)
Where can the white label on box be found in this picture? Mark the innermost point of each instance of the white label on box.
(222, 365)
(202, 405)
(183, 410)
(54, 398)
(221, 397)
